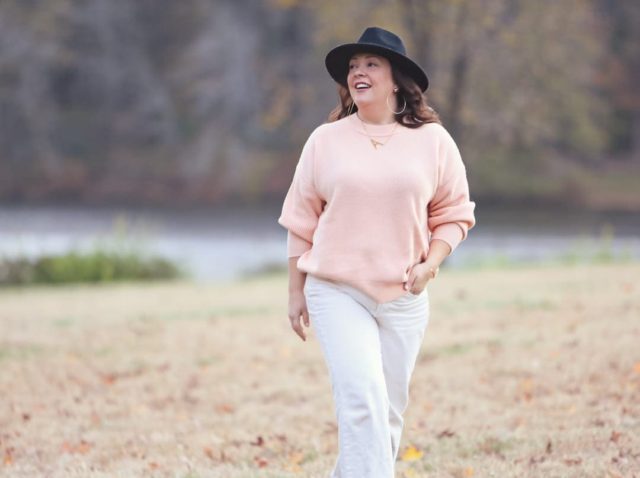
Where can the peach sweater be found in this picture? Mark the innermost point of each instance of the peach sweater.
(365, 216)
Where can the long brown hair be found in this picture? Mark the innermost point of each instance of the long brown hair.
(417, 112)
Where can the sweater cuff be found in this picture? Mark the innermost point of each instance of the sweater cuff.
(450, 232)
(296, 245)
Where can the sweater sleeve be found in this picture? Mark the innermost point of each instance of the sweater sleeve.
(450, 211)
(302, 205)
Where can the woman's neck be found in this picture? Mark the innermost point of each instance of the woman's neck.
(376, 115)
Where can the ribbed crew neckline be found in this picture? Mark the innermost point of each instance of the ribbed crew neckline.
(373, 129)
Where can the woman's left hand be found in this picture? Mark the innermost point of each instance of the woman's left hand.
(419, 275)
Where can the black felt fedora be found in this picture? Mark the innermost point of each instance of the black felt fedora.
(381, 42)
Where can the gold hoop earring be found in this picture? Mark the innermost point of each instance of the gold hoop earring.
(403, 106)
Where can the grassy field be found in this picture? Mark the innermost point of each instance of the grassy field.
(524, 372)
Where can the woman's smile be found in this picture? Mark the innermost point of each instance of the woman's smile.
(362, 84)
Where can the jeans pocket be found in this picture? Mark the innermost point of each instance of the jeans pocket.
(411, 298)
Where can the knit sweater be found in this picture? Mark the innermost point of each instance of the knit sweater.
(363, 215)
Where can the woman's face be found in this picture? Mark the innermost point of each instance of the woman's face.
(373, 74)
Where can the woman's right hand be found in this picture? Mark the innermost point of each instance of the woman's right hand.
(298, 309)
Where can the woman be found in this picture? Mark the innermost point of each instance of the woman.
(378, 200)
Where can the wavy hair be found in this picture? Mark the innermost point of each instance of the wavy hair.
(417, 112)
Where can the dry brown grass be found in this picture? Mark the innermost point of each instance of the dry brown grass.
(531, 372)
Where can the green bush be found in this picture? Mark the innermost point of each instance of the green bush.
(96, 266)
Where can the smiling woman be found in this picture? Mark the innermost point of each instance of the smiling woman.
(408, 105)
(369, 80)
(378, 200)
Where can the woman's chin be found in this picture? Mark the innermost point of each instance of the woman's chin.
(362, 103)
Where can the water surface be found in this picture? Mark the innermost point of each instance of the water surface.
(221, 244)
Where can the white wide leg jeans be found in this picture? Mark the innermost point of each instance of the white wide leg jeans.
(370, 350)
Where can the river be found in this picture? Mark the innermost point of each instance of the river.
(222, 244)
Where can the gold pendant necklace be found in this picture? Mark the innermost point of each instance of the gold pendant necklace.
(374, 142)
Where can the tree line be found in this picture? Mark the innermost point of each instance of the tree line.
(209, 101)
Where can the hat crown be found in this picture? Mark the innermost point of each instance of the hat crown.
(384, 38)
(377, 41)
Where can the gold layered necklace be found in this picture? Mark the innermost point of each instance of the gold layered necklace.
(375, 142)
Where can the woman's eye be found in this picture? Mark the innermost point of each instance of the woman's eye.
(371, 63)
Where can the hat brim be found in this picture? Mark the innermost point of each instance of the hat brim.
(337, 62)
